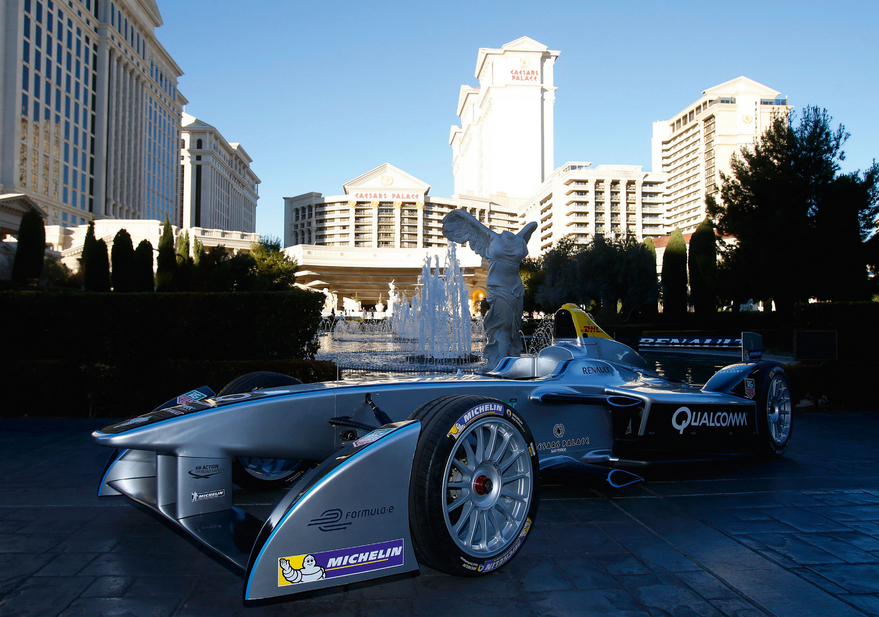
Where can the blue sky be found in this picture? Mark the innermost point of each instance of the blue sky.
(319, 93)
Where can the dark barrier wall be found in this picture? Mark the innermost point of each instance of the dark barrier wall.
(121, 355)
(103, 326)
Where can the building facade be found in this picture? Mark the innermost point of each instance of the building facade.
(696, 145)
(579, 201)
(89, 110)
(504, 146)
(383, 208)
(220, 190)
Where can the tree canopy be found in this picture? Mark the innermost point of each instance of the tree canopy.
(605, 276)
(800, 225)
(274, 270)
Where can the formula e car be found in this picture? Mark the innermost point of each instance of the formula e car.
(439, 471)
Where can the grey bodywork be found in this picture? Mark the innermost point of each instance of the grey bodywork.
(177, 460)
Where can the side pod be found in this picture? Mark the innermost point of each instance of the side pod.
(347, 521)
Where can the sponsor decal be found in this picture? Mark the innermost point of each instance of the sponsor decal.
(750, 388)
(203, 472)
(330, 520)
(133, 421)
(755, 354)
(337, 563)
(590, 329)
(372, 437)
(562, 445)
(190, 397)
(208, 495)
(494, 564)
(515, 418)
(690, 341)
(336, 520)
(477, 412)
(559, 431)
(683, 417)
(597, 370)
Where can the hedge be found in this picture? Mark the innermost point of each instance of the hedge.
(855, 324)
(143, 327)
(121, 354)
(68, 389)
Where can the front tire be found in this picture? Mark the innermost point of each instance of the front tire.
(475, 485)
(774, 408)
(263, 474)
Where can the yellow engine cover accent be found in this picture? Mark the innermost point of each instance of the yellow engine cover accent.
(584, 323)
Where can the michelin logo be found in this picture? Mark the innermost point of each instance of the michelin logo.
(480, 410)
(208, 495)
(337, 563)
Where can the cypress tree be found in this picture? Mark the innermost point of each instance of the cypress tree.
(674, 275)
(28, 263)
(144, 280)
(183, 281)
(99, 267)
(702, 265)
(122, 260)
(87, 245)
(166, 268)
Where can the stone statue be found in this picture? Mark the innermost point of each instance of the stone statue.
(504, 252)
(330, 303)
(393, 300)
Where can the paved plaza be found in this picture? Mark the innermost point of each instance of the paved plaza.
(794, 537)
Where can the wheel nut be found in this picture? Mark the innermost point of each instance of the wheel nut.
(482, 485)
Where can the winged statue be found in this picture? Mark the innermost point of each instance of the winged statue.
(504, 252)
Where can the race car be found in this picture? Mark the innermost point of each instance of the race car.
(442, 471)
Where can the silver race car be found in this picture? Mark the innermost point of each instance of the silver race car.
(441, 471)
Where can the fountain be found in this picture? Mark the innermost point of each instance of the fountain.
(432, 333)
(438, 321)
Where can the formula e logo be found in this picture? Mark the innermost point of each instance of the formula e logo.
(329, 521)
(683, 417)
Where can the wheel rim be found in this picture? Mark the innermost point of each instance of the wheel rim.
(487, 487)
(269, 468)
(778, 410)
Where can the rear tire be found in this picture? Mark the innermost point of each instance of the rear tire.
(774, 408)
(475, 485)
(263, 474)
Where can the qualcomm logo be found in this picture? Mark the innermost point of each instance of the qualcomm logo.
(683, 417)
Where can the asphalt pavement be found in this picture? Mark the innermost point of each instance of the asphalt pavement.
(792, 537)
